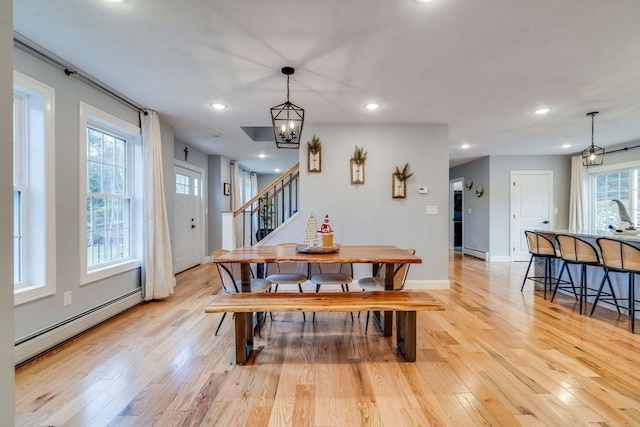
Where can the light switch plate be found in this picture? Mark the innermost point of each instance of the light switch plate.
(432, 210)
(423, 190)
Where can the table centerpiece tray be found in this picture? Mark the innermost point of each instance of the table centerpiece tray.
(317, 249)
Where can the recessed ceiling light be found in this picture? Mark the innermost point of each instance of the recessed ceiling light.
(464, 146)
(542, 110)
(262, 155)
(372, 106)
(424, 1)
(118, 1)
(566, 145)
(277, 169)
(217, 135)
(219, 106)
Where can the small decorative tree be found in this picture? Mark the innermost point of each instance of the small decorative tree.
(311, 230)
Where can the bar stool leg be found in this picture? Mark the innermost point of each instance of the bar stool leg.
(632, 300)
(595, 302)
(526, 274)
(584, 288)
(613, 293)
(547, 276)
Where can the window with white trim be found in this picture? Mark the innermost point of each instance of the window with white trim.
(621, 182)
(33, 189)
(111, 209)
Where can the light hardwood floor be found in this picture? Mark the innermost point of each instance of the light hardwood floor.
(496, 356)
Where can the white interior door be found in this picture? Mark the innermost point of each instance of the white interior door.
(531, 208)
(187, 223)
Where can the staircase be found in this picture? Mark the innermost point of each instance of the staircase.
(264, 213)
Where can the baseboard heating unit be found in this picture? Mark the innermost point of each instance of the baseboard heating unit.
(476, 253)
(32, 345)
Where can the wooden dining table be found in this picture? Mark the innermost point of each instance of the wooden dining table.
(386, 255)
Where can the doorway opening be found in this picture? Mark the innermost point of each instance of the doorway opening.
(456, 209)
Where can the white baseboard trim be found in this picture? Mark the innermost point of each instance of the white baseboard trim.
(47, 338)
(476, 253)
(427, 284)
(500, 259)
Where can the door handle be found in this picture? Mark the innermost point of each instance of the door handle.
(545, 222)
(193, 226)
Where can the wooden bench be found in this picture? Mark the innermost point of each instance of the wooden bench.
(404, 303)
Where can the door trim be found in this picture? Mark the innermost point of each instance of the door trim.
(203, 200)
(452, 183)
(512, 175)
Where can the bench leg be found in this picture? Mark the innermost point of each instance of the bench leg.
(384, 322)
(244, 337)
(406, 334)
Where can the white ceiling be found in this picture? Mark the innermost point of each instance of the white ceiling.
(481, 66)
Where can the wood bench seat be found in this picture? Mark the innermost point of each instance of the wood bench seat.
(404, 303)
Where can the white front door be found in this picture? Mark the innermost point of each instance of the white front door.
(531, 208)
(187, 223)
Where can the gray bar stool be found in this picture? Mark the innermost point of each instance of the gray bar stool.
(620, 257)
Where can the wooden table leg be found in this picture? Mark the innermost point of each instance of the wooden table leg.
(244, 321)
(406, 334)
(244, 337)
(388, 286)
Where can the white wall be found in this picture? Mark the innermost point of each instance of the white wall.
(42, 313)
(486, 228)
(6, 215)
(475, 218)
(367, 214)
(501, 166)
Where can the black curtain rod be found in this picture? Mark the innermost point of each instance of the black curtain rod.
(621, 149)
(30, 47)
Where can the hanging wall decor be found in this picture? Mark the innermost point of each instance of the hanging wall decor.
(358, 159)
(314, 155)
(468, 183)
(399, 182)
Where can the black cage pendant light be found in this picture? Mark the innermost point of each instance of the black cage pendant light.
(287, 119)
(592, 155)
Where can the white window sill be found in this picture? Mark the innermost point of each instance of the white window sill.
(112, 270)
(32, 293)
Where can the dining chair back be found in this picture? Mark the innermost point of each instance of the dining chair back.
(331, 274)
(290, 273)
(231, 284)
(376, 283)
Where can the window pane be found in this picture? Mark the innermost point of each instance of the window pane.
(607, 187)
(108, 147)
(18, 250)
(182, 184)
(94, 144)
(108, 216)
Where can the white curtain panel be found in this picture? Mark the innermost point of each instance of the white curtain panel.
(236, 201)
(158, 277)
(578, 197)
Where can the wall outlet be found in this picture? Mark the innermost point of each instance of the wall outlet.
(67, 298)
(432, 210)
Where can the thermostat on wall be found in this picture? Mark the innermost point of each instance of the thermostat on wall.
(423, 190)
